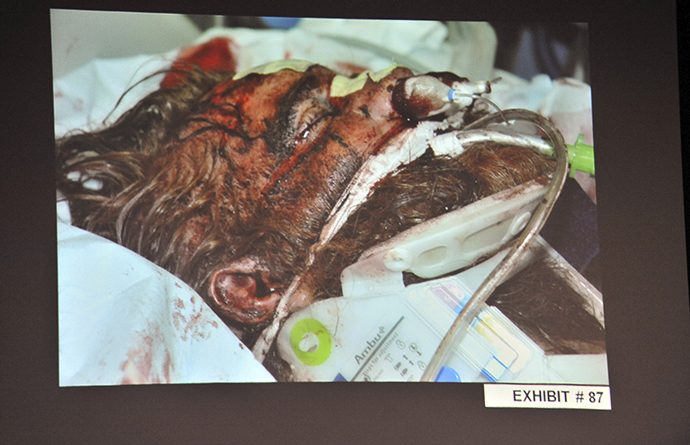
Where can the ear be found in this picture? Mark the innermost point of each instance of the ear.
(246, 296)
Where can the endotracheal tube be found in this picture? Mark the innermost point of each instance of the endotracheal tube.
(462, 323)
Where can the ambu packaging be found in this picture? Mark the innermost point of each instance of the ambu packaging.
(382, 330)
(393, 337)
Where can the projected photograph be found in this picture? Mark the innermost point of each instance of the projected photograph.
(274, 199)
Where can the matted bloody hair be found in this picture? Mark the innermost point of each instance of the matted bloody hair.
(139, 204)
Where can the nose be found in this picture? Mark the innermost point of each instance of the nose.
(429, 95)
(421, 96)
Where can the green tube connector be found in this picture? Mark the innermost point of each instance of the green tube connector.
(581, 157)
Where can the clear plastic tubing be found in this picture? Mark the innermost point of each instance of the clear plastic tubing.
(462, 323)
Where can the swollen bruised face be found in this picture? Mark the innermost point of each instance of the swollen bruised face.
(230, 190)
(268, 155)
(285, 139)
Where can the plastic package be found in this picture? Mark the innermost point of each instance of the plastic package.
(392, 337)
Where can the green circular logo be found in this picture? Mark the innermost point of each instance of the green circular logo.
(310, 341)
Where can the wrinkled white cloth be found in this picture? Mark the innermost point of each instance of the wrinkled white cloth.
(124, 320)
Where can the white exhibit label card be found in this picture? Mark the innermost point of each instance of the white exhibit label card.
(547, 396)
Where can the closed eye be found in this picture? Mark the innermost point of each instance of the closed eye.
(309, 116)
(301, 118)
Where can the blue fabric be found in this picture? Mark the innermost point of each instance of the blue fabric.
(281, 22)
